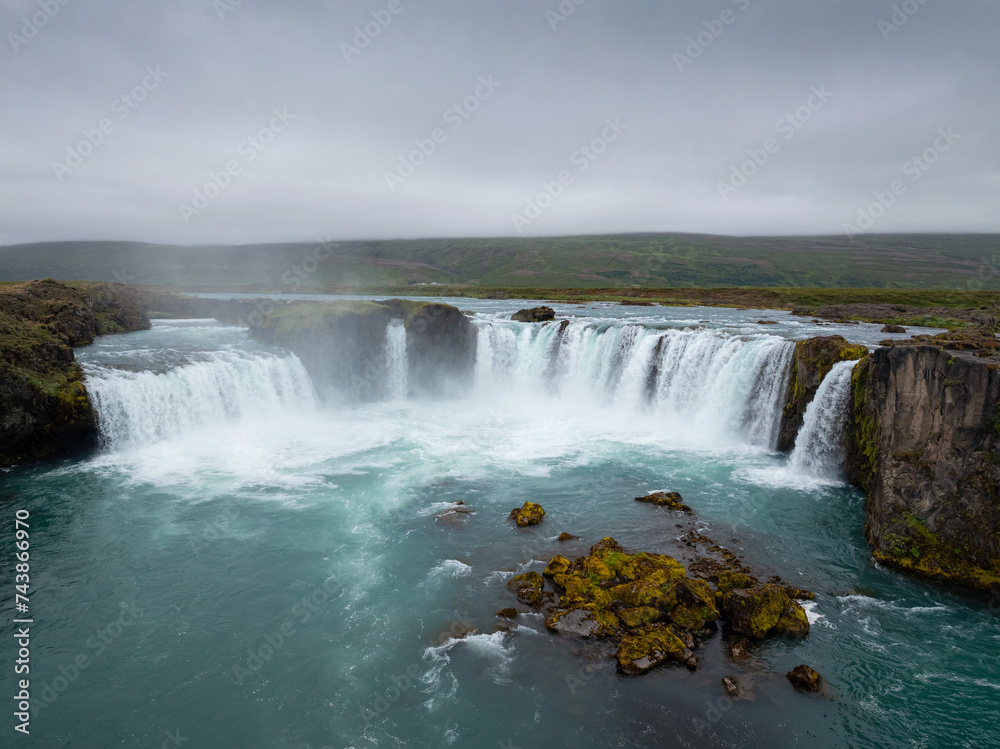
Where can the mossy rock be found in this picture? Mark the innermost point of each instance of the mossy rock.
(672, 500)
(585, 620)
(535, 314)
(805, 678)
(755, 611)
(557, 566)
(698, 597)
(529, 514)
(640, 616)
(564, 536)
(529, 588)
(730, 581)
(644, 593)
(793, 622)
(639, 652)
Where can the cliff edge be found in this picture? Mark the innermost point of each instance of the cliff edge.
(44, 407)
(925, 445)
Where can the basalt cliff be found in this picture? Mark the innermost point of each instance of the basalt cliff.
(924, 444)
(44, 407)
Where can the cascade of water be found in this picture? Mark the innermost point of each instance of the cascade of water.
(396, 361)
(734, 383)
(138, 408)
(819, 448)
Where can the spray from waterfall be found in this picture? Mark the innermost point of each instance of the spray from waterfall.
(819, 449)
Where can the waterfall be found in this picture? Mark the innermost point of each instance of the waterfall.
(396, 361)
(819, 448)
(734, 383)
(139, 408)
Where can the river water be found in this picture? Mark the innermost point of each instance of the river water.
(245, 564)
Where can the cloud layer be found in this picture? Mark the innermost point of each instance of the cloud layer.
(256, 121)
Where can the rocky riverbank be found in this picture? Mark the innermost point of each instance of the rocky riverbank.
(44, 407)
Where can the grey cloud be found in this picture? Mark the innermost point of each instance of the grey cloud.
(325, 173)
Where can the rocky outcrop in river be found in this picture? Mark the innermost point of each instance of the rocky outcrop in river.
(814, 358)
(343, 344)
(44, 407)
(925, 446)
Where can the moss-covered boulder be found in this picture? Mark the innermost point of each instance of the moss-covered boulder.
(672, 500)
(535, 314)
(45, 410)
(730, 581)
(529, 589)
(794, 622)
(756, 611)
(805, 678)
(557, 566)
(813, 360)
(528, 514)
(648, 647)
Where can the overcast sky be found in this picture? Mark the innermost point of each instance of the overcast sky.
(727, 117)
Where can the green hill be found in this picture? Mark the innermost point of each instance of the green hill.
(904, 261)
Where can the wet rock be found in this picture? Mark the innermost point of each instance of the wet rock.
(799, 593)
(739, 648)
(731, 686)
(529, 589)
(755, 611)
(529, 514)
(638, 653)
(805, 678)
(730, 581)
(587, 620)
(535, 314)
(564, 536)
(793, 622)
(557, 566)
(813, 360)
(767, 322)
(673, 500)
(893, 329)
(508, 613)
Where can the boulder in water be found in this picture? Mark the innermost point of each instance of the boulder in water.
(535, 314)
(529, 514)
(893, 329)
(755, 611)
(805, 678)
(673, 500)
(529, 589)
(649, 647)
(564, 536)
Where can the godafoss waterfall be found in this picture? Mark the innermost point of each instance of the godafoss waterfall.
(287, 540)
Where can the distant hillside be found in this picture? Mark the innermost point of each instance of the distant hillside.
(624, 261)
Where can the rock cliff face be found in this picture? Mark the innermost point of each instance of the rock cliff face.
(925, 446)
(343, 344)
(813, 359)
(44, 407)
